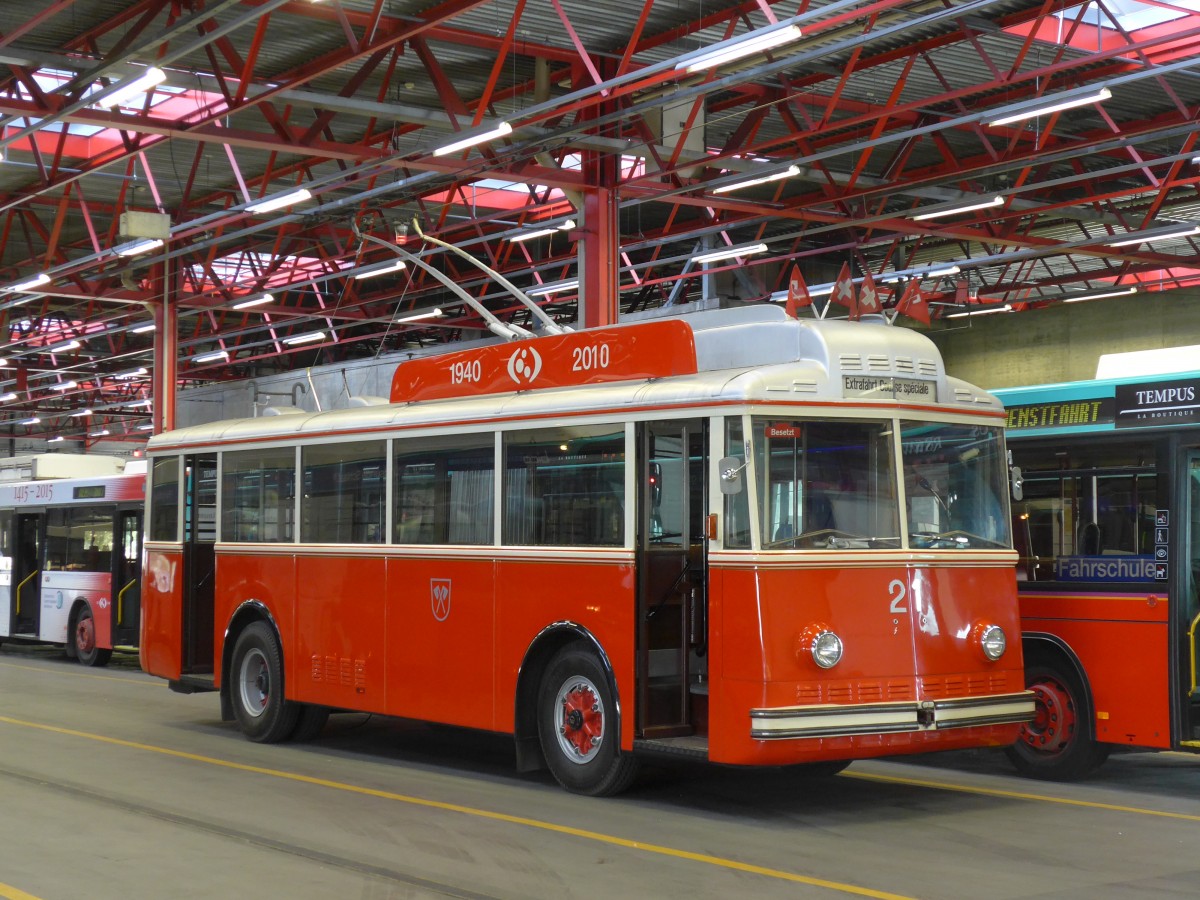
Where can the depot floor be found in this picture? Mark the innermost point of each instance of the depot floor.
(115, 787)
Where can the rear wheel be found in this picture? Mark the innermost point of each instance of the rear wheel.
(256, 686)
(1056, 745)
(577, 726)
(83, 640)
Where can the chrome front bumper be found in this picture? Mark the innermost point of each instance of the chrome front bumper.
(844, 720)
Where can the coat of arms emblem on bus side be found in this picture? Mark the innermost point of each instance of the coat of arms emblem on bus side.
(524, 365)
(439, 598)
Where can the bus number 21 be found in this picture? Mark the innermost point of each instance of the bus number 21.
(897, 592)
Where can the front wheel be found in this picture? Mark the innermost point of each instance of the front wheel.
(1056, 745)
(83, 640)
(256, 686)
(577, 726)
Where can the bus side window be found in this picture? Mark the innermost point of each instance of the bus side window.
(443, 491)
(344, 493)
(737, 504)
(565, 486)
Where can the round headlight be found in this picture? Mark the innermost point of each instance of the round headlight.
(827, 649)
(993, 641)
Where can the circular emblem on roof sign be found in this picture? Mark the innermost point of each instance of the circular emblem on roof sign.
(524, 365)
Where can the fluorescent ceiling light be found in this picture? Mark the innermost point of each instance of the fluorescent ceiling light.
(139, 85)
(919, 274)
(256, 301)
(416, 317)
(1160, 236)
(64, 386)
(1053, 107)
(5, 398)
(142, 329)
(955, 210)
(103, 432)
(305, 338)
(789, 172)
(483, 137)
(819, 291)
(939, 273)
(139, 247)
(31, 283)
(145, 427)
(64, 346)
(542, 232)
(80, 413)
(755, 42)
(211, 357)
(729, 253)
(544, 289)
(132, 373)
(1123, 293)
(55, 440)
(270, 204)
(32, 420)
(382, 270)
(980, 312)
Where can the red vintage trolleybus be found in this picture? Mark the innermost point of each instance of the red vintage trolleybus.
(733, 536)
(70, 550)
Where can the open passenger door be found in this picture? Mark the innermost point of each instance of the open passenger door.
(671, 562)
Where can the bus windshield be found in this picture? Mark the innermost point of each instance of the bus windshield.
(955, 479)
(826, 483)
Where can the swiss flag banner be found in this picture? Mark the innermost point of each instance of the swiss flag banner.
(797, 295)
(912, 303)
(868, 297)
(843, 291)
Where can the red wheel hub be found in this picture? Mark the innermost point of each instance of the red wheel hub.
(85, 634)
(1054, 718)
(582, 721)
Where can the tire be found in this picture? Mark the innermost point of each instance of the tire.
(1056, 745)
(83, 640)
(310, 722)
(579, 728)
(256, 686)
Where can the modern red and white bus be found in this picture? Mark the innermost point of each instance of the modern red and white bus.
(733, 536)
(70, 554)
(1108, 530)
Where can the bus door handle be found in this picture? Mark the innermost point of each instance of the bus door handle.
(697, 625)
(121, 602)
(676, 585)
(32, 575)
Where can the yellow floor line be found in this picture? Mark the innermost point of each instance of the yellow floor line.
(1018, 795)
(71, 673)
(11, 893)
(599, 837)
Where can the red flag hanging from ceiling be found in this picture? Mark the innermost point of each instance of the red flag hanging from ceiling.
(912, 303)
(868, 297)
(843, 291)
(797, 295)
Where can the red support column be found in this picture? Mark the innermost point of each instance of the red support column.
(166, 351)
(600, 247)
(599, 253)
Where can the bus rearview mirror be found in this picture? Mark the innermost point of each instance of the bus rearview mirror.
(730, 468)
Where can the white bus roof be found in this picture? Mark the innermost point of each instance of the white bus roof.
(746, 356)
